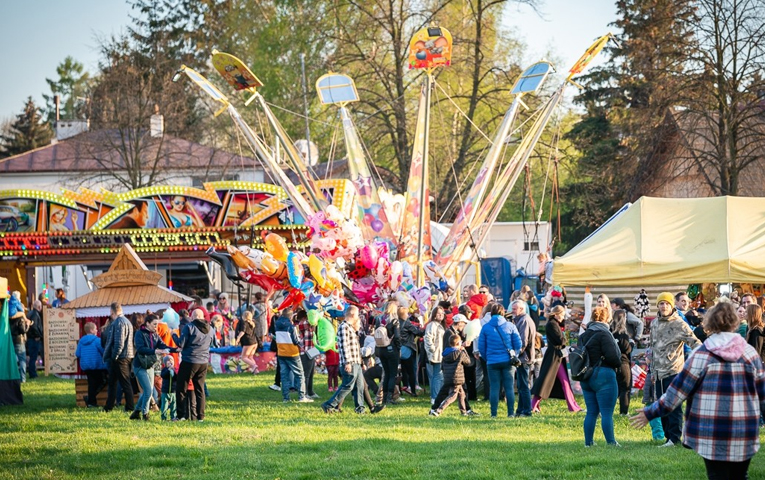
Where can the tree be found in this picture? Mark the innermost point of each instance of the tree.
(626, 102)
(371, 40)
(723, 116)
(134, 83)
(72, 88)
(27, 132)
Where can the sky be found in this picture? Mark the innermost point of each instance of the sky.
(73, 27)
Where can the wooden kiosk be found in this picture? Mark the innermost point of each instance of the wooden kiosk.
(128, 282)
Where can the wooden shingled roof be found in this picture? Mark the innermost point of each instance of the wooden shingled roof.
(128, 282)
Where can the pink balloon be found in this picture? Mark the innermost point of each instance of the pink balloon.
(368, 256)
(368, 218)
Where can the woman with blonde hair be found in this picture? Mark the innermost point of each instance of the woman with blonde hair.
(724, 383)
(245, 336)
(755, 337)
(600, 390)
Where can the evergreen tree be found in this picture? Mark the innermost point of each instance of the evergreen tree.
(27, 132)
(626, 101)
(72, 88)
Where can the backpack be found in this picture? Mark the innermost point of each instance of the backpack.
(381, 336)
(579, 361)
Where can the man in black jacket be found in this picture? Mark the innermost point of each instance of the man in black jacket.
(118, 355)
(34, 338)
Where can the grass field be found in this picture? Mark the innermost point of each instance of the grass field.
(249, 433)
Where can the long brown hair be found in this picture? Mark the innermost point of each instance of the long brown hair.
(754, 316)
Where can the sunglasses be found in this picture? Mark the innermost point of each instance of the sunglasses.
(179, 202)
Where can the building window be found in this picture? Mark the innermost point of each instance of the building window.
(530, 246)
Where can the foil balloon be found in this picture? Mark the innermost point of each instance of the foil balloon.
(263, 281)
(295, 271)
(314, 316)
(276, 246)
(421, 296)
(318, 270)
(403, 299)
(368, 256)
(295, 297)
(274, 268)
(240, 259)
(395, 275)
(325, 335)
(381, 271)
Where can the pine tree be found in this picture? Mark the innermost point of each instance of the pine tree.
(27, 132)
(72, 88)
(626, 101)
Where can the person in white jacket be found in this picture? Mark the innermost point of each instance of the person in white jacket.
(434, 348)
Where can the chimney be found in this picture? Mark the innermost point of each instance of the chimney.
(57, 101)
(157, 123)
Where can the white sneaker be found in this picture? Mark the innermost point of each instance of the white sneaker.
(275, 388)
(314, 396)
(668, 444)
(305, 400)
(433, 413)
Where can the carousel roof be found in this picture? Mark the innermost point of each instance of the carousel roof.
(128, 282)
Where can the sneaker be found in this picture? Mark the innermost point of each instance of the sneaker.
(471, 413)
(522, 415)
(668, 443)
(145, 417)
(590, 445)
(361, 411)
(136, 415)
(314, 396)
(377, 408)
(433, 413)
(327, 409)
(305, 400)
(275, 388)
(615, 444)
(418, 388)
(286, 400)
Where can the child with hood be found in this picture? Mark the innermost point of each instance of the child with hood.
(90, 354)
(454, 361)
(724, 383)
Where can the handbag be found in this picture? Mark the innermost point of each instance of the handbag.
(312, 353)
(514, 360)
(147, 361)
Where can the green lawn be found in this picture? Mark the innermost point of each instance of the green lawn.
(249, 433)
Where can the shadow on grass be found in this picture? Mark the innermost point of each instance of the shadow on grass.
(371, 458)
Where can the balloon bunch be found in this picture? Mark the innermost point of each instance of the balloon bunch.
(332, 235)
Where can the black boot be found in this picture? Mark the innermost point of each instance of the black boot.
(145, 417)
(136, 415)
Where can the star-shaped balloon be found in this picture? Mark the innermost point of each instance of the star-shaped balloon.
(363, 185)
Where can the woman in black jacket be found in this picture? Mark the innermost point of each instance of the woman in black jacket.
(553, 379)
(624, 372)
(409, 334)
(600, 389)
(147, 347)
(389, 355)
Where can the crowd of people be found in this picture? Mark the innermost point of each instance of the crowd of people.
(712, 359)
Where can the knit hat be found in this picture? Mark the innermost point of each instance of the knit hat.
(666, 297)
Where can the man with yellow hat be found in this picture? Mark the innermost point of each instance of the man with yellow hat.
(668, 334)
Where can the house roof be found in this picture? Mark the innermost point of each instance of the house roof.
(128, 282)
(90, 151)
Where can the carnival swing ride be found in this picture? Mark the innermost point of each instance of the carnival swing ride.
(382, 249)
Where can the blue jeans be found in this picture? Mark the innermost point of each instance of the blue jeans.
(435, 378)
(291, 366)
(352, 382)
(524, 392)
(21, 360)
(600, 393)
(145, 379)
(501, 375)
(33, 350)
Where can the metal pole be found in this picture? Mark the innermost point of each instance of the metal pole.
(305, 109)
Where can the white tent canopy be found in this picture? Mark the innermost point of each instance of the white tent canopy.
(663, 241)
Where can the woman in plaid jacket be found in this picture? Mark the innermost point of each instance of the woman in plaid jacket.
(724, 382)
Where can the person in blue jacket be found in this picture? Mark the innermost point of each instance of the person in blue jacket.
(499, 344)
(90, 354)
